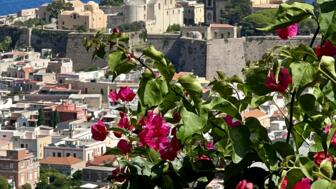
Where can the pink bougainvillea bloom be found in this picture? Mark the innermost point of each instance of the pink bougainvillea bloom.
(288, 32)
(326, 49)
(284, 183)
(327, 128)
(124, 122)
(113, 96)
(204, 158)
(117, 134)
(116, 30)
(333, 141)
(305, 183)
(126, 94)
(210, 146)
(156, 135)
(230, 122)
(169, 149)
(320, 156)
(284, 80)
(124, 146)
(99, 131)
(243, 184)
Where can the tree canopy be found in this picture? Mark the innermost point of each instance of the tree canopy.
(3, 183)
(235, 11)
(5, 44)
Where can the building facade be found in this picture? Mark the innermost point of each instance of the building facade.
(19, 166)
(193, 13)
(86, 16)
(65, 165)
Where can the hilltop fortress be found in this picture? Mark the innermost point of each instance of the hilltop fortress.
(203, 57)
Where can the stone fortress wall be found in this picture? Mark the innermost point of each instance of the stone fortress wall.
(202, 57)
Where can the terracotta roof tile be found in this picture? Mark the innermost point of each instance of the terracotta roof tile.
(101, 160)
(254, 113)
(60, 160)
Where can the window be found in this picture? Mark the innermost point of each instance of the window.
(215, 34)
(22, 145)
(54, 154)
(85, 90)
(67, 154)
(22, 164)
(74, 155)
(222, 35)
(74, 16)
(11, 166)
(63, 23)
(159, 6)
(102, 91)
(4, 136)
(210, 3)
(59, 154)
(26, 145)
(229, 34)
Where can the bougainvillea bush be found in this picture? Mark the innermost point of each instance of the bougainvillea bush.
(178, 137)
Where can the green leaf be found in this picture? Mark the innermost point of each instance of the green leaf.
(153, 53)
(124, 67)
(191, 85)
(284, 149)
(301, 131)
(222, 88)
(224, 106)
(192, 124)
(294, 175)
(259, 100)
(307, 166)
(258, 133)
(322, 183)
(327, 19)
(302, 73)
(326, 168)
(241, 144)
(155, 91)
(115, 58)
(169, 101)
(166, 68)
(327, 68)
(290, 13)
(255, 81)
(308, 103)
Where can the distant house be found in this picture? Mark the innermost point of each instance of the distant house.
(19, 166)
(97, 175)
(263, 118)
(65, 165)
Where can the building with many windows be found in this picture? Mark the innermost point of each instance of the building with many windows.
(19, 166)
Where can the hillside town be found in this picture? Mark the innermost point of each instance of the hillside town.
(53, 91)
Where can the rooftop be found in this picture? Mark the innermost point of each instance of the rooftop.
(254, 113)
(60, 160)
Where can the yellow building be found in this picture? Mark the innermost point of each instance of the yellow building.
(87, 16)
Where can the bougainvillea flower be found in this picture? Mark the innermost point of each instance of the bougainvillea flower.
(126, 94)
(333, 141)
(326, 49)
(99, 131)
(327, 129)
(156, 135)
(116, 30)
(284, 183)
(287, 32)
(243, 184)
(169, 149)
(124, 146)
(124, 122)
(284, 80)
(320, 156)
(210, 146)
(204, 158)
(230, 121)
(305, 183)
(113, 96)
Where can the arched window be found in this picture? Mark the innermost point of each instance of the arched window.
(159, 6)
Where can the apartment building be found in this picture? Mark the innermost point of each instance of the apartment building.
(20, 166)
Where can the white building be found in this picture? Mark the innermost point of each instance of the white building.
(84, 149)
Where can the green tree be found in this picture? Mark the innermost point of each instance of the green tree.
(26, 186)
(57, 6)
(30, 22)
(55, 118)
(52, 179)
(173, 28)
(5, 44)
(40, 117)
(111, 2)
(132, 27)
(235, 11)
(257, 20)
(3, 183)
